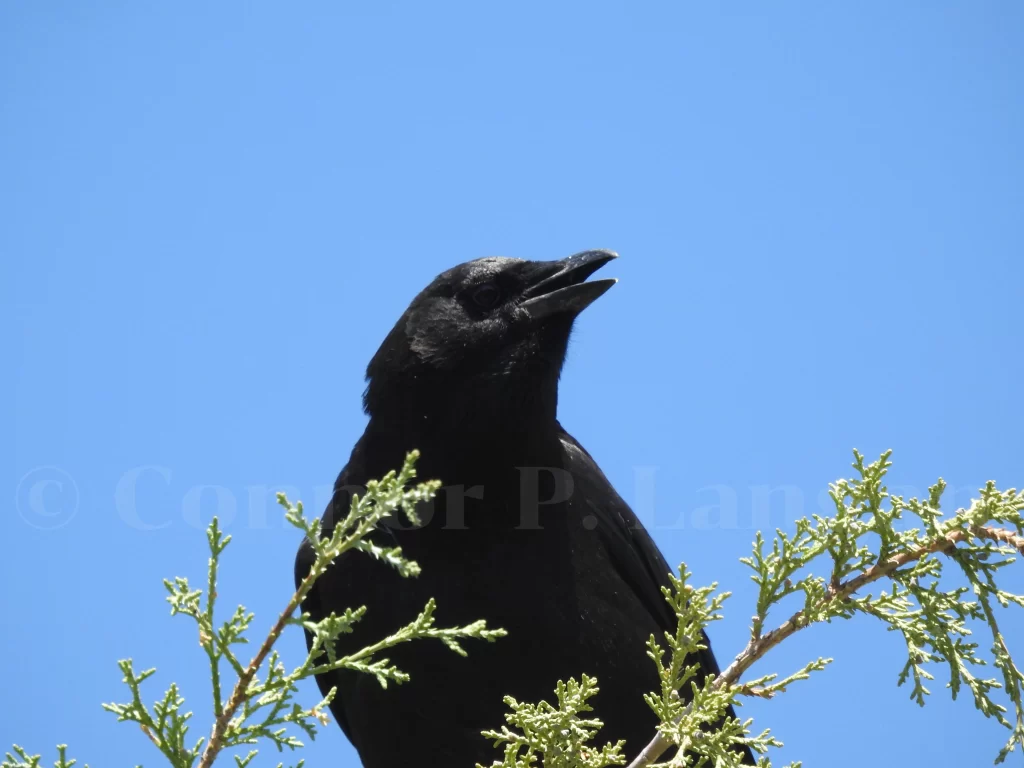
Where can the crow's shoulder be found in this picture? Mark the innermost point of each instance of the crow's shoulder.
(630, 547)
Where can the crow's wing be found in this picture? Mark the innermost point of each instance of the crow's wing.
(630, 547)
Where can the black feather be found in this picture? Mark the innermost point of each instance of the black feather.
(470, 378)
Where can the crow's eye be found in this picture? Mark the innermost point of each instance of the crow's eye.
(486, 296)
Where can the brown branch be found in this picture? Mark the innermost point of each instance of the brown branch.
(240, 691)
(238, 694)
(758, 647)
(754, 690)
(152, 736)
(999, 534)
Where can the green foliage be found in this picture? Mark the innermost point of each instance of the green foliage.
(554, 736)
(21, 759)
(383, 498)
(866, 540)
(872, 536)
(932, 618)
(700, 727)
(261, 705)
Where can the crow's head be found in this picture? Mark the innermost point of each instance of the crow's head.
(492, 327)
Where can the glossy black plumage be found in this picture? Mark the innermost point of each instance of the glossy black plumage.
(469, 375)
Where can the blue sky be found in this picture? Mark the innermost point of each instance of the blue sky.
(212, 214)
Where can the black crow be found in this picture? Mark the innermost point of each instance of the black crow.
(527, 533)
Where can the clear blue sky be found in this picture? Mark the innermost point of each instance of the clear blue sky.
(212, 214)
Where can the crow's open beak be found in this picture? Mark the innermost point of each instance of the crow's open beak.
(564, 291)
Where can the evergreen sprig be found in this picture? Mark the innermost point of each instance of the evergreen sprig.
(22, 759)
(872, 536)
(554, 735)
(261, 706)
